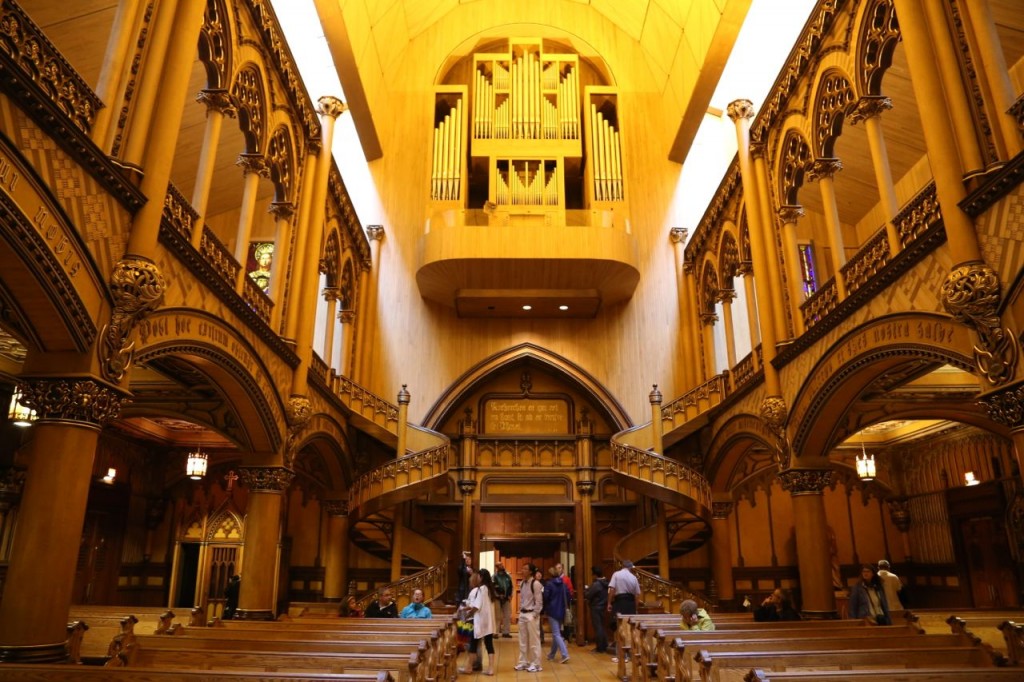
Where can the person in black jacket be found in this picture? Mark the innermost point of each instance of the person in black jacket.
(596, 595)
(777, 606)
(231, 596)
(384, 607)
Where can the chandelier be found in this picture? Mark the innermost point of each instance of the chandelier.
(865, 465)
(19, 415)
(196, 467)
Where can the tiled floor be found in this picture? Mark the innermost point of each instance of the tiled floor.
(583, 664)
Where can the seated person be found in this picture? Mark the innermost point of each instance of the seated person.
(416, 608)
(695, 618)
(350, 609)
(776, 606)
(384, 607)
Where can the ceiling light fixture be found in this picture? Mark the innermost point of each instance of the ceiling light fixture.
(563, 307)
(196, 467)
(865, 465)
(19, 414)
(527, 307)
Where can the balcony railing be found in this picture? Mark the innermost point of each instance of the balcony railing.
(659, 471)
(918, 215)
(820, 304)
(179, 214)
(397, 480)
(867, 262)
(365, 403)
(257, 300)
(695, 401)
(743, 371)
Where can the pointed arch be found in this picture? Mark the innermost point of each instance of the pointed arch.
(215, 44)
(281, 160)
(440, 411)
(741, 447)
(879, 35)
(834, 98)
(248, 93)
(792, 163)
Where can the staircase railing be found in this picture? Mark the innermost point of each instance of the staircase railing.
(433, 580)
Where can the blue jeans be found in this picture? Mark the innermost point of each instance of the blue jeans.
(556, 639)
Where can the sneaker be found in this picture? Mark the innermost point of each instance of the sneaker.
(534, 669)
(615, 659)
(565, 660)
(520, 666)
(551, 657)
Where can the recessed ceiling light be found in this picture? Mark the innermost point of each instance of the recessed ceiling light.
(563, 307)
(527, 307)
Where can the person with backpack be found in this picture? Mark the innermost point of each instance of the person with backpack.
(503, 590)
(531, 600)
(596, 595)
(556, 603)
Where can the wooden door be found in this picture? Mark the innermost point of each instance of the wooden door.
(223, 563)
(993, 582)
(99, 559)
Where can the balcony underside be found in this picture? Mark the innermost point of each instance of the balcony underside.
(493, 271)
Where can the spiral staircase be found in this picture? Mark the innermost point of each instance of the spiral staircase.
(684, 494)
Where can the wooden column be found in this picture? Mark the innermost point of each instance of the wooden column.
(150, 86)
(111, 83)
(812, 546)
(41, 574)
(585, 540)
(678, 235)
(749, 290)
(364, 357)
(254, 167)
(403, 421)
(282, 212)
(336, 556)
(294, 302)
(869, 110)
(707, 321)
(663, 546)
(822, 170)
(331, 296)
(794, 274)
(397, 531)
(1000, 93)
(726, 296)
(218, 105)
(261, 553)
(697, 368)
(347, 318)
(721, 551)
(767, 225)
(656, 427)
(467, 480)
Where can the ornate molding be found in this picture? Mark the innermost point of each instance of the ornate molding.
(586, 488)
(823, 168)
(298, 412)
(708, 319)
(740, 108)
(281, 210)
(467, 486)
(774, 413)
(253, 163)
(791, 214)
(137, 287)
(678, 235)
(868, 106)
(335, 507)
(375, 233)
(219, 100)
(346, 316)
(266, 479)
(899, 513)
(1006, 406)
(971, 294)
(331, 106)
(331, 294)
(81, 401)
(721, 510)
(805, 481)
(758, 150)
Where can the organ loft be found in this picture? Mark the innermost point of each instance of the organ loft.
(324, 294)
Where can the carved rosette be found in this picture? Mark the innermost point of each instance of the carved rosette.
(81, 401)
(253, 163)
(331, 106)
(298, 413)
(721, 510)
(335, 507)
(805, 481)
(868, 106)
(219, 100)
(971, 294)
(774, 414)
(1006, 407)
(266, 479)
(823, 168)
(740, 108)
(137, 288)
(678, 235)
(899, 513)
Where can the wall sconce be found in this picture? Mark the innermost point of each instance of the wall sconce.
(969, 478)
(196, 467)
(111, 475)
(19, 415)
(865, 465)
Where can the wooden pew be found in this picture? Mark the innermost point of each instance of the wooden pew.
(110, 629)
(888, 675)
(709, 665)
(988, 627)
(61, 673)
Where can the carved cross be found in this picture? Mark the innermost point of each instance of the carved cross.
(231, 477)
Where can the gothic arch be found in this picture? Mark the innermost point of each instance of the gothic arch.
(215, 44)
(709, 287)
(281, 160)
(734, 451)
(832, 100)
(857, 360)
(325, 455)
(248, 94)
(793, 159)
(879, 35)
(332, 257)
(440, 411)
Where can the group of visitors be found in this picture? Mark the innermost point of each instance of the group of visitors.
(384, 606)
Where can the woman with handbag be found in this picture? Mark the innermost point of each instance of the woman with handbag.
(867, 598)
(480, 609)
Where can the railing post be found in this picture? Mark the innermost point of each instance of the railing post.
(403, 420)
(656, 427)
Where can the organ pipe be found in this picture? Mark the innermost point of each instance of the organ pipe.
(446, 169)
(540, 102)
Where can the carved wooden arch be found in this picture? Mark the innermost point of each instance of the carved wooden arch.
(215, 44)
(248, 93)
(862, 356)
(707, 294)
(282, 163)
(222, 524)
(240, 376)
(728, 257)
(876, 41)
(348, 287)
(833, 98)
(326, 440)
(331, 266)
(733, 451)
(794, 157)
(440, 411)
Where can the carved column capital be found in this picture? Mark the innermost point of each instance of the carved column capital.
(347, 316)
(335, 507)
(774, 414)
(740, 108)
(331, 106)
(971, 294)
(80, 401)
(586, 488)
(1006, 406)
(314, 146)
(708, 319)
(868, 106)
(805, 481)
(678, 235)
(757, 149)
(745, 267)
(281, 210)
(726, 295)
(219, 100)
(137, 288)
(721, 510)
(266, 479)
(331, 294)
(823, 168)
(253, 163)
(899, 513)
(467, 486)
(375, 233)
(791, 214)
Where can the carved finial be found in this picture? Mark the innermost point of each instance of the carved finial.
(403, 395)
(525, 383)
(655, 395)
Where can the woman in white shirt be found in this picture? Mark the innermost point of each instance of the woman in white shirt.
(479, 606)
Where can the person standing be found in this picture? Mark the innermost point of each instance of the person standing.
(384, 607)
(556, 604)
(596, 595)
(416, 608)
(623, 595)
(867, 599)
(503, 591)
(480, 607)
(231, 596)
(892, 585)
(465, 570)
(531, 599)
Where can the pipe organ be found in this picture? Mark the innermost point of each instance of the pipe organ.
(534, 132)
